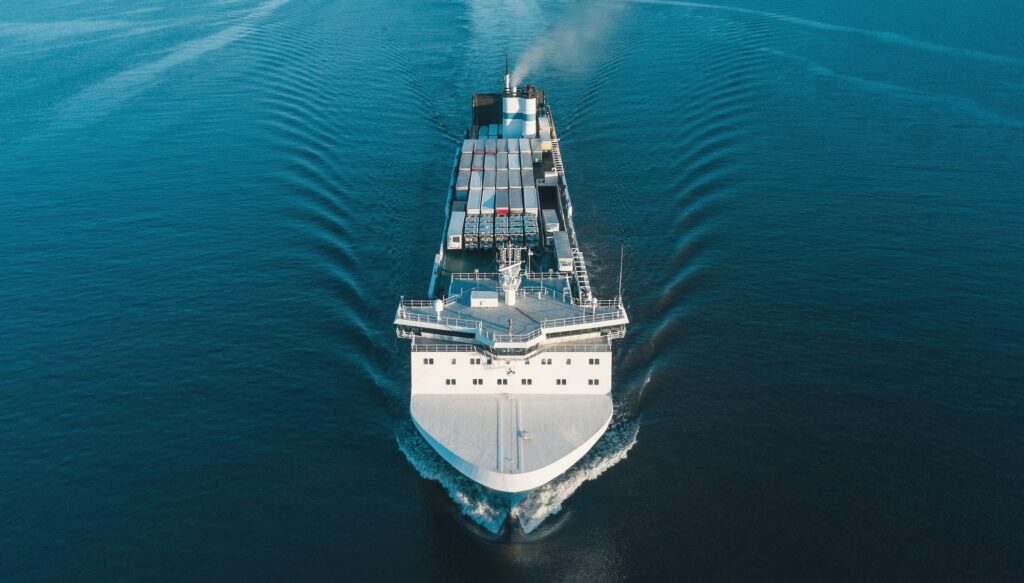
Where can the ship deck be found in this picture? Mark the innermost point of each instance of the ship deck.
(542, 301)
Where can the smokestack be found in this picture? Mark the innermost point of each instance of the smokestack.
(508, 79)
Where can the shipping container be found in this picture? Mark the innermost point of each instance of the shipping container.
(515, 179)
(502, 147)
(513, 146)
(478, 146)
(525, 160)
(466, 160)
(462, 182)
(490, 178)
(563, 251)
(514, 163)
(487, 202)
(478, 161)
(473, 204)
(491, 146)
(502, 161)
(500, 203)
(459, 205)
(515, 201)
(528, 178)
(490, 162)
(476, 179)
(524, 145)
(530, 202)
(455, 223)
(543, 123)
(502, 180)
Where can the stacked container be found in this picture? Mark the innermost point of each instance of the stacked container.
(528, 179)
(525, 160)
(531, 204)
(501, 202)
(538, 154)
(470, 234)
(486, 232)
(501, 234)
(515, 201)
(473, 204)
(462, 181)
(502, 180)
(487, 202)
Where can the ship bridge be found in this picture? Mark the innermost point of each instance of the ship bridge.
(544, 311)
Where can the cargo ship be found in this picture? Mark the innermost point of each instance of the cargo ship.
(511, 352)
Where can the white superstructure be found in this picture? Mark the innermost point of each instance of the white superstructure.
(511, 362)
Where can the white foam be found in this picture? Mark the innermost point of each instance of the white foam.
(490, 510)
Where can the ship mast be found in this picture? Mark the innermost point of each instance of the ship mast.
(510, 269)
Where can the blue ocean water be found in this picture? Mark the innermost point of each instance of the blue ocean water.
(209, 208)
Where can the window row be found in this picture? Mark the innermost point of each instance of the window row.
(528, 382)
(542, 361)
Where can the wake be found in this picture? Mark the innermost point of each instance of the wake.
(490, 510)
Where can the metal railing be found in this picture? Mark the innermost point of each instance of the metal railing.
(516, 337)
(559, 322)
(538, 275)
(404, 314)
(445, 348)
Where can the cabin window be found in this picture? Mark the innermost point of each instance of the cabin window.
(560, 382)
(595, 361)
(594, 382)
(526, 381)
(453, 361)
(502, 381)
(428, 361)
(568, 361)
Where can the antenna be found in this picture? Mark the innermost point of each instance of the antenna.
(622, 255)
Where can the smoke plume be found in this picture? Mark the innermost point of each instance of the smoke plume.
(572, 44)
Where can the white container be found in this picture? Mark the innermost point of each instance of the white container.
(487, 202)
(473, 204)
(455, 223)
(462, 181)
(563, 251)
(531, 205)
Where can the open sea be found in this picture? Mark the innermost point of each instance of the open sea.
(209, 209)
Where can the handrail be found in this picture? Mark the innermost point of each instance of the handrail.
(559, 322)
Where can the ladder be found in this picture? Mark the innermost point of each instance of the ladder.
(579, 271)
(556, 155)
